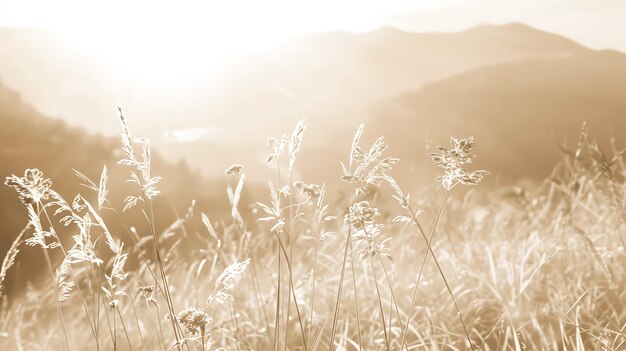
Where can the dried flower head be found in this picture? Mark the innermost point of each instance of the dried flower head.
(361, 214)
(276, 147)
(146, 290)
(195, 320)
(284, 191)
(362, 218)
(452, 159)
(235, 169)
(32, 187)
(271, 142)
(311, 191)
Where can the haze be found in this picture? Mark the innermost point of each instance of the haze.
(209, 81)
(132, 35)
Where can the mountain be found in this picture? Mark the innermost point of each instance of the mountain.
(329, 78)
(324, 76)
(519, 113)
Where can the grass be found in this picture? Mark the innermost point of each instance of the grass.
(537, 270)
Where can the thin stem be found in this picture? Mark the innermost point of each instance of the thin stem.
(312, 303)
(80, 291)
(370, 244)
(136, 243)
(394, 302)
(114, 332)
(202, 332)
(291, 243)
(132, 303)
(106, 314)
(356, 302)
(166, 292)
(124, 328)
(235, 324)
(277, 316)
(293, 291)
(336, 313)
(56, 299)
(430, 250)
(380, 303)
(279, 285)
(422, 265)
(158, 316)
(257, 288)
(161, 342)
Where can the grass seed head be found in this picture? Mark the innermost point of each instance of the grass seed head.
(32, 187)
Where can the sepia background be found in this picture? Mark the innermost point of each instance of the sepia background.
(531, 257)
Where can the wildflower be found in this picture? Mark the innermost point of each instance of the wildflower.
(452, 159)
(276, 147)
(362, 218)
(32, 187)
(284, 191)
(271, 142)
(361, 214)
(194, 319)
(146, 290)
(311, 191)
(235, 169)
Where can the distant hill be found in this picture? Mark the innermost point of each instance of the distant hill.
(329, 78)
(519, 113)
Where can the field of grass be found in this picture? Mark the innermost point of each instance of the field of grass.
(440, 269)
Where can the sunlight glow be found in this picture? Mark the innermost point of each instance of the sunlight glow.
(161, 42)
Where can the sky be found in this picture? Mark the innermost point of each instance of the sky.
(251, 24)
(207, 33)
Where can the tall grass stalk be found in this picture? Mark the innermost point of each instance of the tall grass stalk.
(312, 292)
(80, 291)
(279, 285)
(293, 291)
(339, 290)
(445, 280)
(146, 182)
(291, 237)
(356, 302)
(62, 329)
(378, 295)
(132, 303)
(394, 302)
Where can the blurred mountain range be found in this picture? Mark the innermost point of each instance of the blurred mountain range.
(519, 90)
(519, 112)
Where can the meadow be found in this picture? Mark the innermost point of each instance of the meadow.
(449, 266)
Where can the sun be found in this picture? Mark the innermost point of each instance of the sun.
(158, 43)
